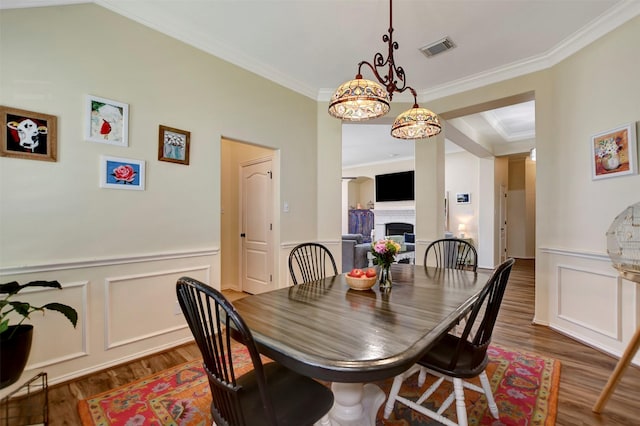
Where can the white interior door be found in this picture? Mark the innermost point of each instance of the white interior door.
(256, 210)
(503, 224)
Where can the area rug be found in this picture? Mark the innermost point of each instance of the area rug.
(524, 385)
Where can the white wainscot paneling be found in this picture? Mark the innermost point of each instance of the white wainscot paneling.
(54, 338)
(142, 306)
(590, 300)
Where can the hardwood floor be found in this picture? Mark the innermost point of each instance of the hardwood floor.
(584, 370)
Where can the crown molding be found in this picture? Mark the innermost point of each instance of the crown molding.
(605, 23)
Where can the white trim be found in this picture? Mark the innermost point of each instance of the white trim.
(119, 361)
(575, 253)
(106, 261)
(108, 344)
(617, 333)
(82, 320)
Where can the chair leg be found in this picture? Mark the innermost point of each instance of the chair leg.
(393, 394)
(486, 386)
(395, 389)
(461, 408)
(422, 376)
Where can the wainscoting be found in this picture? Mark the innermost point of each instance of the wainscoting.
(127, 309)
(588, 300)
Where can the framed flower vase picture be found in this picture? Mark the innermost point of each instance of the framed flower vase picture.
(613, 153)
(27, 134)
(107, 121)
(121, 173)
(173, 145)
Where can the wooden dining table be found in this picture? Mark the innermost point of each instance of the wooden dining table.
(325, 330)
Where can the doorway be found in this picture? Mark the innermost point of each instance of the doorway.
(233, 154)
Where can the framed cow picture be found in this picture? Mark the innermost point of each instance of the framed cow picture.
(27, 134)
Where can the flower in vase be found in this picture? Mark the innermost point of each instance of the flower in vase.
(384, 251)
(607, 148)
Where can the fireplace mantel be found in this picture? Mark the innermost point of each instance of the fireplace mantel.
(384, 216)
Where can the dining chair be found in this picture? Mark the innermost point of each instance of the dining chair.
(458, 357)
(452, 253)
(312, 261)
(269, 394)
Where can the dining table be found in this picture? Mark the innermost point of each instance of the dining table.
(328, 331)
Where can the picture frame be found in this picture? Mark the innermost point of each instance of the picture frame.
(27, 134)
(463, 198)
(122, 173)
(614, 152)
(173, 145)
(107, 121)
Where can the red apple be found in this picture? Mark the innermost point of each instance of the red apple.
(370, 273)
(356, 273)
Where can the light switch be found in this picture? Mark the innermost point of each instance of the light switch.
(285, 207)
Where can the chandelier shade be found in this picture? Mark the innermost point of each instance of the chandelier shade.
(416, 123)
(359, 99)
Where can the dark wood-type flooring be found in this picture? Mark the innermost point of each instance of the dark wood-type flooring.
(583, 374)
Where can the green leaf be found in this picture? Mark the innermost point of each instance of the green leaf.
(13, 287)
(67, 311)
(4, 326)
(21, 308)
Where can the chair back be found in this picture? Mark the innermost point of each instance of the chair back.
(476, 335)
(311, 262)
(213, 320)
(452, 253)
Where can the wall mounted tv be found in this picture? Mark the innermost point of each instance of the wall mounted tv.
(395, 186)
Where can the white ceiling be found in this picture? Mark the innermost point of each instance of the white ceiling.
(312, 46)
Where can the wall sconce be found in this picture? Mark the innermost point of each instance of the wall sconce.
(462, 227)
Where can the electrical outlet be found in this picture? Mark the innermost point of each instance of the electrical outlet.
(177, 310)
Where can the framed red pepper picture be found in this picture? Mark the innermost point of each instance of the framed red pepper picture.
(107, 121)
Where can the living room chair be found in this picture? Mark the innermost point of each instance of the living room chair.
(311, 262)
(269, 394)
(452, 253)
(455, 358)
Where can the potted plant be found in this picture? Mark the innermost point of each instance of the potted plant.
(15, 339)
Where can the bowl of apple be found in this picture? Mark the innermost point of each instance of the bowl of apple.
(361, 279)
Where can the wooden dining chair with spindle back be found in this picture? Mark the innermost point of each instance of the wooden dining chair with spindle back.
(457, 357)
(311, 262)
(452, 253)
(269, 394)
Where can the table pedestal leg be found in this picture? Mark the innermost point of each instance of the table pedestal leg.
(355, 404)
(622, 365)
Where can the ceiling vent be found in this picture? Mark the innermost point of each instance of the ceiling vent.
(438, 47)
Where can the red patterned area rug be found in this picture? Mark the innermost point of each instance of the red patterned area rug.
(524, 385)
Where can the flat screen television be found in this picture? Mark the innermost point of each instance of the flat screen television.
(395, 186)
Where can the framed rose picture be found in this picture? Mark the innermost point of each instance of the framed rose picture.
(613, 152)
(121, 173)
(107, 121)
(173, 145)
(27, 134)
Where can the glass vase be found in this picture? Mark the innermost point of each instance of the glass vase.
(384, 280)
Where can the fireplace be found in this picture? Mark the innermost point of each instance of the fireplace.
(398, 228)
(405, 217)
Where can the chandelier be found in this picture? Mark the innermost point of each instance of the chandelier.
(361, 99)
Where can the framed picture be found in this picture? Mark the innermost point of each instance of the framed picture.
(28, 134)
(173, 145)
(107, 121)
(463, 198)
(121, 173)
(613, 153)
